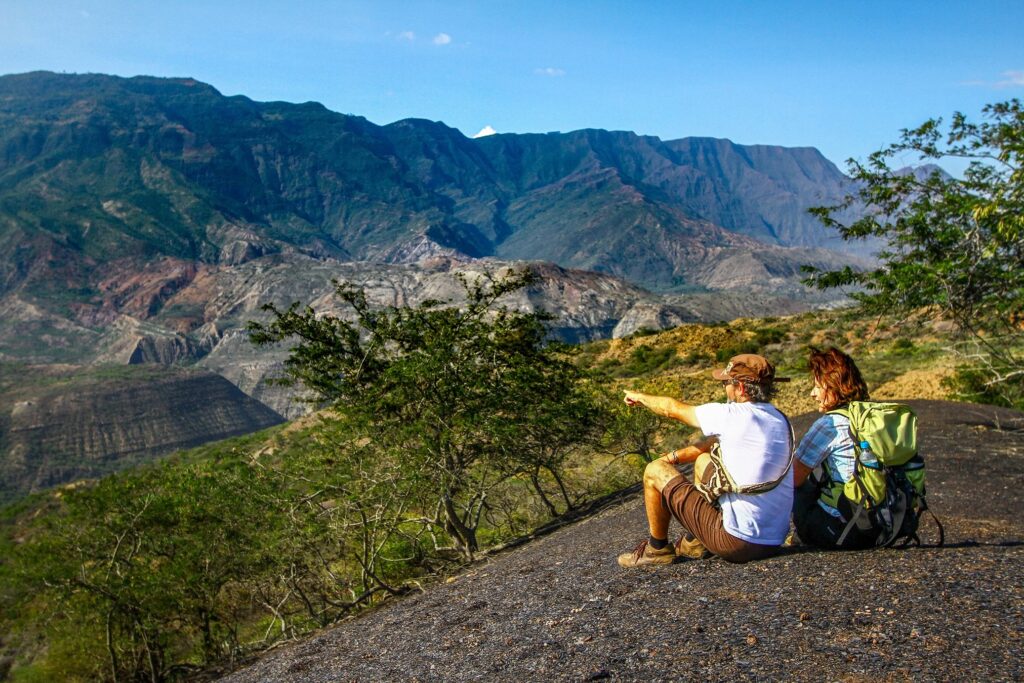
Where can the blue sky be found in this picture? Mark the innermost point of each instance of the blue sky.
(844, 77)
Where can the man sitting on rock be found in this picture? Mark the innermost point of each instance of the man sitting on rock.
(754, 441)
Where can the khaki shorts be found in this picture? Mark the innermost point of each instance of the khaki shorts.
(704, 520)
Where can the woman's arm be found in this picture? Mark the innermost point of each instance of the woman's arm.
(800, 472)
(813, 449)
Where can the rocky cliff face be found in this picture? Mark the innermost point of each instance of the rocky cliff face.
(73, 428)
(96, 168)
(586, 306)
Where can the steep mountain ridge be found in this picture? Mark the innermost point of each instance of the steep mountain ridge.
(100, 167)
(116, 194)
(761, 191)
(144, 221)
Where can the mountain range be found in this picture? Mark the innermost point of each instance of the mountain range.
(145, 220)
(98, 168)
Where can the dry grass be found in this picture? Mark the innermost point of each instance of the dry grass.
(899, 359)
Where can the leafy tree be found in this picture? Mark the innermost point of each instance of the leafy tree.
(346, 503)
(461, 398)
(954, 246)
(630, 431)
(157, 573)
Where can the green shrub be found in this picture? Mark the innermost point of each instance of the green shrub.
(769, 335)
(726, 352)
(643, 332)
(609, 367)
(973, 384)
(645, 360)
(904, 347)
(697, 357)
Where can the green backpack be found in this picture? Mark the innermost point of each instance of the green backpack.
(887, 491)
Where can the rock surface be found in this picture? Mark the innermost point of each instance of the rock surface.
(561, 609)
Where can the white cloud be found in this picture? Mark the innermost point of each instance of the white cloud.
(442, 39)
(1012, 79)
(407, 35)
(484, 132)
(549, 71)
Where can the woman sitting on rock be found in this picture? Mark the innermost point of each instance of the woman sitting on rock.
(821, 517)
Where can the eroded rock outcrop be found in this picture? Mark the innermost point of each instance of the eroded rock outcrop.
(88, 426)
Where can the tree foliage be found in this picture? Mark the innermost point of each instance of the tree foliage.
(133, 576)
(952, 245)
(461, 398)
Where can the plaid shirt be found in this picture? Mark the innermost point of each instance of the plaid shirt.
(828, 443)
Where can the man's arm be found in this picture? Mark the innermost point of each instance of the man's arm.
(664, 406)
(689, 453)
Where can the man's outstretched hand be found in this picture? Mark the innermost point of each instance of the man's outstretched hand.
(633, 398)
(663, 406)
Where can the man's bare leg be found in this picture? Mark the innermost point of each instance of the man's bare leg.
(656, 475)
(657, 550)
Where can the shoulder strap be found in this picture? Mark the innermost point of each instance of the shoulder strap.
(769, 485)
(843, 410)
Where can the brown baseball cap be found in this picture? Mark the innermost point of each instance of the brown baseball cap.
(749, 367)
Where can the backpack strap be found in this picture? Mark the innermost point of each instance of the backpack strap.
(858, 466)
(942, 532)
(719, 480)
(844, 411)
(924, 508)
(849, 525)
(767, 485)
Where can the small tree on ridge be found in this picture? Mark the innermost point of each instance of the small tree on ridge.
(464, 398)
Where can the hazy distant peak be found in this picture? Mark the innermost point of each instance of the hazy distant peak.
(923, 172)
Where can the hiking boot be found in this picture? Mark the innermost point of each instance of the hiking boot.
(645, 554)
(690, 546)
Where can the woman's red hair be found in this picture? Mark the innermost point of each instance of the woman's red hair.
(838, 376)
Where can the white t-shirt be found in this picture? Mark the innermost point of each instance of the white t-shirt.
(754, 439)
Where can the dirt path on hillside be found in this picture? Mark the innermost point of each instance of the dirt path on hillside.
(560, 608)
